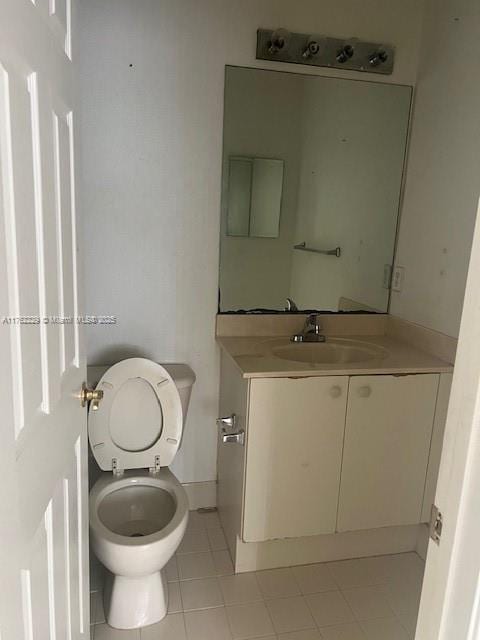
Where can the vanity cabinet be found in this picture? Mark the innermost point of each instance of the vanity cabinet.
(388, 430)
(294, 456)
(328, 455)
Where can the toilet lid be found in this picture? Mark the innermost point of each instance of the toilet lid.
(139, 422)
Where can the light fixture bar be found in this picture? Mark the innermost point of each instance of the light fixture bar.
(321, 51)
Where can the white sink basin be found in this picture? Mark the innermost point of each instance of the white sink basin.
(333, 351)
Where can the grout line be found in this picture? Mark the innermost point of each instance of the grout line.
(181, 597)
(184, 624)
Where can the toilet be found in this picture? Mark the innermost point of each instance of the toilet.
(138, 508)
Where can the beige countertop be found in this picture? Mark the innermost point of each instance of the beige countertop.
(255, 357)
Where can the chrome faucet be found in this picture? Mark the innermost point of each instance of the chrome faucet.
(310, 331)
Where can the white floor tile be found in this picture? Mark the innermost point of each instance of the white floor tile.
(196, 565)
(409, 622)
(193, 525)
(384, 629)
(97, 572)
(249, 621)
(240, 588)
(104, 632)
(380, 567)
(401, 568)
(170, 628)
(174, 599)
(278, 583)
(362, 599)
(351, 631)
(93, 602)
(206, 520)
(223, 563)
(290, 614)
(314, 578)
(194, 542)
(201, 594)
(306, 634)
(368, 603)
(216, 539)
(97, 613)
(404, 598)
(352, 573)
(329, 608)
(171, 570)
(408, 565)
(209, 624)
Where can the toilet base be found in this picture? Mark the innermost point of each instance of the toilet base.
(131, 603)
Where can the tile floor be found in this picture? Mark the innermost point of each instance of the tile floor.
(367, 599)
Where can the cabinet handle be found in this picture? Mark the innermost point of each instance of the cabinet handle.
(336, 391)
(234, 438)
(227, 421)
(364, 392)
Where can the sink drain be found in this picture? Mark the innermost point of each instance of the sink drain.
(136, 535)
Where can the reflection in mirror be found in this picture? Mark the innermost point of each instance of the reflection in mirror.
(312, 174)
(254, 197)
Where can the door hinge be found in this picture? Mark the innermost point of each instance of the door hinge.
(436, 524)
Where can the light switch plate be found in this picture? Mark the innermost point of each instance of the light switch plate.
(398, 277)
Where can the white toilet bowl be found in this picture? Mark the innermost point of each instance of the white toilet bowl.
(137, 522)
(138, 509)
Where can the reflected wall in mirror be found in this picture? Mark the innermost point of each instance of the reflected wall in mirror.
(254, 197)
(312, 175)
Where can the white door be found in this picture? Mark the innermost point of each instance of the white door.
(43, 484)
(450, 603)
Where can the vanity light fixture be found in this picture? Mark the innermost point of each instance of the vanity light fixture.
(281, 45)
(312, 49)
(378, 57)
(345, 53)
(278, 41)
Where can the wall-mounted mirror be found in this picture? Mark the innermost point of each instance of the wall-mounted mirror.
(312, 175)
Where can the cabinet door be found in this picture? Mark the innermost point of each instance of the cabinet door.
(294, 451)
(387, 441)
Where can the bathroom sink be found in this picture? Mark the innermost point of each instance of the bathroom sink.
(333, 351)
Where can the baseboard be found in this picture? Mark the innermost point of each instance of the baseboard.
(201, 494)
(254, 556)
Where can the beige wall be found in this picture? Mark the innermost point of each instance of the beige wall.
(150, 182)
(443, 178)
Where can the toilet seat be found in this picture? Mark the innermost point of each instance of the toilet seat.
(138, 423)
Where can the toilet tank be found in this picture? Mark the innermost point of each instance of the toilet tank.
(181, 374)
(184, 378)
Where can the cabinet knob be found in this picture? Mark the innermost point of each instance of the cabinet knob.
(364, 392)
(336, 391)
